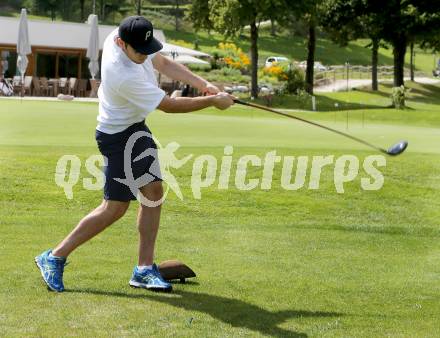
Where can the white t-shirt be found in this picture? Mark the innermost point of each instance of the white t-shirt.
(128, 91)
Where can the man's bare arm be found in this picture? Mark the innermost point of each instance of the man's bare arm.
(188, 104)
(180, 73)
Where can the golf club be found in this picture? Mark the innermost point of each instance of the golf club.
(394, 150)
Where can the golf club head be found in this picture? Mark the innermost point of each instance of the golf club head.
(398, 148)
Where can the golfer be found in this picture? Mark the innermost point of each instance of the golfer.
(128, 93)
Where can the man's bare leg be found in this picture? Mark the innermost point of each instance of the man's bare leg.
(148, 223)
(91, 225)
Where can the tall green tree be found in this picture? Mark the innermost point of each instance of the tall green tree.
(309, 12)
(177, 13)
(174, 8)
(346, 20)
(312, 21)
(45, 7)
(82, 12)
(199, 15)
(398, 22)
(229, 17)
(404, 21)
(138, 5)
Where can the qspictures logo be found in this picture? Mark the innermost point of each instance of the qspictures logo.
(226, 172)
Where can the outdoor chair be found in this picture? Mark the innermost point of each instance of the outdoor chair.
(28, 85)
(82, 88)
(16, 80)
(16, 84)
(72, 86)
(188, 91)
(63, 85)
(167, 87)
(46, 88)
(37, 86)
(94, 84)
(55, 84)
(168, 84)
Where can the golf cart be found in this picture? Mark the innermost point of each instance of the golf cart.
(436, 71)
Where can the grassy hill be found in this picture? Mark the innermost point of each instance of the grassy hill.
(294, 47)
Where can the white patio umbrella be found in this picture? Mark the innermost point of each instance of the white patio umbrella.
(93, 49)
(23, 45)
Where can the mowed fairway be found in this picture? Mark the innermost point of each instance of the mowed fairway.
(269, 262)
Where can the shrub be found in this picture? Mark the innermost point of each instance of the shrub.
(234, 57)
(398, 97)
(217, 59)
(294, 82)
(263, 78)
(224, 75)
(303, 97)
(275, 71)
(199, 68)
(291, 76)
(230, 72)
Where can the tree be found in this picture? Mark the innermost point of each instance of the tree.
(350, 20)
(398, 22)
(177, 14)
(273, 29)
(173, 7)
(45, 6)
(311, 46)
(138, 5)
(199, 15)
(404, 21)
(411, 62)
(81, 5)
(66, 10)
(310, 12)
(229, 17)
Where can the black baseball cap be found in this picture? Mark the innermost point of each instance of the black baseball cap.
(138, 33)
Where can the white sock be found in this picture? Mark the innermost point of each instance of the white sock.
(143, 268)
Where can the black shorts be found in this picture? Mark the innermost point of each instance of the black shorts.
(113, 148)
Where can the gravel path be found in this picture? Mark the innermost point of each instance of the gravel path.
(341, 85)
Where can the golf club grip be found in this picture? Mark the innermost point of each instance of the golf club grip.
(310, 122)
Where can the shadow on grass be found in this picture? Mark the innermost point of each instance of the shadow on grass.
(376, 92)
(230, 311)
(419, 92)
(426, 93)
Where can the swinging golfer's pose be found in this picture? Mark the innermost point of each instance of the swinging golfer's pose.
(128, 93)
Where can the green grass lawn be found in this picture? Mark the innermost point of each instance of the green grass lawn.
(269, 262)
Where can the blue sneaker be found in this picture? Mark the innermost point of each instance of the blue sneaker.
(150, 279)
(51, 270)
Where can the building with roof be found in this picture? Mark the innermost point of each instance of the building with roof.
(58, 48)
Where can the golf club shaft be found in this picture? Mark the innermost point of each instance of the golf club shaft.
(312, 123)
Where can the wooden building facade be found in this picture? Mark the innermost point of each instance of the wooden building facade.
(58, 48)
